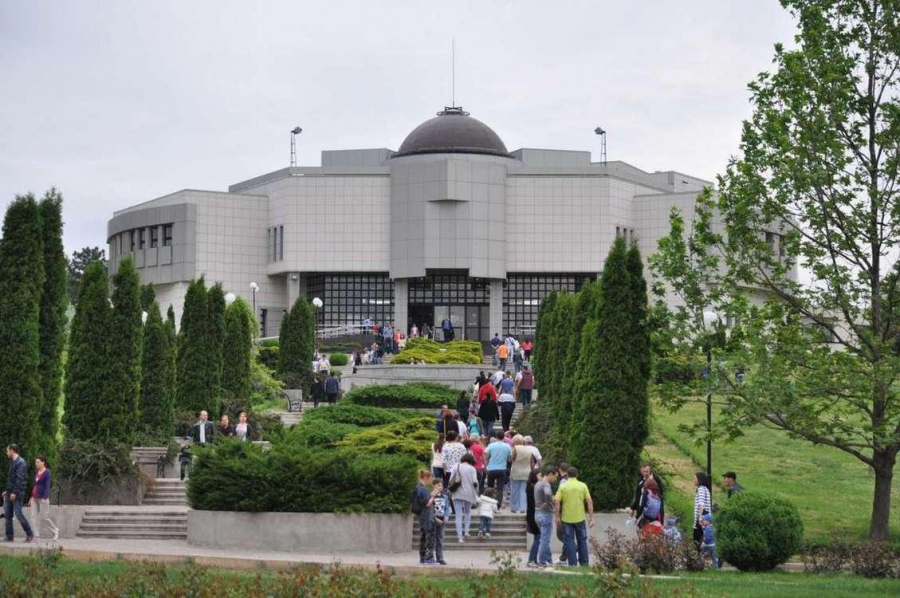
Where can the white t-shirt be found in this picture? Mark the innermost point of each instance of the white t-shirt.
(497, 377)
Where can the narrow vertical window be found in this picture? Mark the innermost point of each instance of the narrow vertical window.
(154, 237)
(167, 235)
(280, 242)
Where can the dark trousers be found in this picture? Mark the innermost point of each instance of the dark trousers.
(480, 474)
(439, 542)
(576, 543)
(488, 428)
(698, 536)
(497, 477)
(331, 397)
(11, 508)
(506, 413)
(525, 396)
(426, 535)
(503, 363)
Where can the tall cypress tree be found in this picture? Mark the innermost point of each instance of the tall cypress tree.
(607, 381)
(21, 285)
(53, 319)
(639, 334)
(557, 343)
(173, 351)
(87, 415)
(297, 345)
(157, 365)
(148, 296)
(237, 350)
(125, 346)
(541, 357)
(196, 377)
(215, 305)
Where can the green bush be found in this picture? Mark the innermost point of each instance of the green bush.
(358, 415)
(264, 386)
(320, 433)
(90, 462)
(292, 478)
(269, 343)
(758, 532)
(677, 369)
(268, 356)
(456, 352)
(411, 437)
(418, 395)
(338, 359)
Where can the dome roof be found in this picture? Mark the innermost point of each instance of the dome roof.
(452, 131)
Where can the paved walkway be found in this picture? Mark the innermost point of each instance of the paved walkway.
(174, 551)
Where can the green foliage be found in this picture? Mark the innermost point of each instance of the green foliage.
(411, 437)
(416, 395)
(157, 366)
(54, 303)
(124, 356)
(758, 532)
(196, 362)
(21, 286)
(611, 417)
(338, 359)
(358, 415)
(92, 462)
(678, 368)
(237, 350)
(81, 259)
(543, 328)
(87, 369)
(456, 352)
(264, 387)
(561, 372)
(268, 356)
(215, 328)
(293, 478)
(297, 345)
(269, 342)
(148, 296)
(537, 421)
(322, 433)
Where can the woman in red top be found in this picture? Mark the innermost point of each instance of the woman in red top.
(526, 346)
(477, 449)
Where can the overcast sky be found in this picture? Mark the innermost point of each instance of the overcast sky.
(118, 102)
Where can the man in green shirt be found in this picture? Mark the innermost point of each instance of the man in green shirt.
(572, 502)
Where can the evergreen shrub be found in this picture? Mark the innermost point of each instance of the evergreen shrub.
(320, 434)
(416, 395)
(358, 415)
(338, 359)
(411, 437)
(758, 532)
(268, 356)
(455, 352)
(239, 476)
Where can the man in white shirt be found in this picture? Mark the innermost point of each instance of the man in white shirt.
(203, 429)
(497, 377)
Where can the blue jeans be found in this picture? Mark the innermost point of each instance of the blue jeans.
(545, 523)
(517, 498)
(576, 543)
(485, 526)
(10, 508)
(525, 396)
(535, 544)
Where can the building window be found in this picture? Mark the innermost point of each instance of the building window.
(280, 243)
(131, 240)
(154, 237)
(263, 324)
(523, 294)
(167, 235)
(618, 231)
(140, 238)
(351, 298)
(268, 244)
(274, 243)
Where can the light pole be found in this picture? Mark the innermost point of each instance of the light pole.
(229, 298)
(317, 303)
(253, 288)
(710, 320)
(294, 132)
(144, 317)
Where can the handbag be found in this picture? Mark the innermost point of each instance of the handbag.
(455, 481)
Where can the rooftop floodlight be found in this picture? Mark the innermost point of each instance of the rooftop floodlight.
(294, 132)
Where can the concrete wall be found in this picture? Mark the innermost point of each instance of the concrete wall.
(66, 517)
(460, 377)
(128, 491)
(301, 532)
(602, 521)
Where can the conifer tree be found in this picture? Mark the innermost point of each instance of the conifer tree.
(297, 346)
(173, 351)
(54, 304)
(639, 335)
(87, 414)
(125, 347)
(237, 350)
(557, 342)
(21, 285)
(196, 374)
(215, 305)
(542, 333)
(148, 296)
(157, 366)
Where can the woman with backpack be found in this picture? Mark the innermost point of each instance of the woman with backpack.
(651, 510)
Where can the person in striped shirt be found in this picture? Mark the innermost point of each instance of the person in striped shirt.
(702, 504)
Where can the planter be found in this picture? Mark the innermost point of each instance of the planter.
(370, 533)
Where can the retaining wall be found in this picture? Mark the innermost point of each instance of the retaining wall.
(66, 517)
(460, 377)
(301, 532)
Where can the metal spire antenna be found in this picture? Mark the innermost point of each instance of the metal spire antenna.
(294, 132)
(602, 133)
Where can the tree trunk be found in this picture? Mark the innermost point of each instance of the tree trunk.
(881, 503)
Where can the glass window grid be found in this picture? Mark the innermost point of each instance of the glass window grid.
(167, 235)
(523, 293)
(154, 237)
(351, 298)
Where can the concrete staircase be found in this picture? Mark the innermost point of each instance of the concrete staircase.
(169, 492)
(508, 532)
(134, 523)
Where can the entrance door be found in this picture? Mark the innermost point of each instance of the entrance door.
(458, 319)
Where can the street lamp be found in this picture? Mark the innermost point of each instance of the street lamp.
(710, 321)
(317, 303)
(294, 132)
(253, 288)
(229, 298)
(144, 317)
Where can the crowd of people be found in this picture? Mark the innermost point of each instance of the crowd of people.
(15, 497)
(205, 431)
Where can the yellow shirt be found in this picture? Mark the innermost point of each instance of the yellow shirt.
(572, 496)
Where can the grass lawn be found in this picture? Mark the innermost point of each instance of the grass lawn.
(168, 580)
(832, 490)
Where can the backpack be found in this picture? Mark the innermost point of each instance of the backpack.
(415, 503)
(651, 507)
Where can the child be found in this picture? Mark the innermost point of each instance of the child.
(441, 515)
(487, 506)
(671, 533)
(422, 504)
(708, 547)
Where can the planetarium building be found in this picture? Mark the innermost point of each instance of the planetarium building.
(452, 224)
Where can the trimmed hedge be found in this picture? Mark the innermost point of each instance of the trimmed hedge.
(357, 415)
(338, 359)
(320, 434)
(758, 532)
(411, 437)
(239, 476)
(456, 352)
(418, 395)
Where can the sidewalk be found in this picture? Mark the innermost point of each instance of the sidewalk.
(173, 551)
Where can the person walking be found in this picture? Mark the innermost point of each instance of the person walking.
(498, 454)
(242, 429)
(477, 449)
(225, 428)
(525, 385)
(204, 430)
(523, 461)
(451, 454)
(543, 515)
(702, 505)
(462, 406)
(531, 519)
(332, 388)
(464, 490)
(437, 459)
(489, 412)
(40, 499)
(729, 478)
(573, 502)
(507, 401)
(527, 346)
(650, 508)
(646, 474)
(487, 508)
(502, 355)
(16, 484)
(422, 505)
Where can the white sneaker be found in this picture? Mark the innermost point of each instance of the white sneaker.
(488, 535)
(561, 562)
(461, 541)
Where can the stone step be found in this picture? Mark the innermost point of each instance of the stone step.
(136, 535)
(162, 502)
(167, 491)
(130, 527)
(133, 521)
